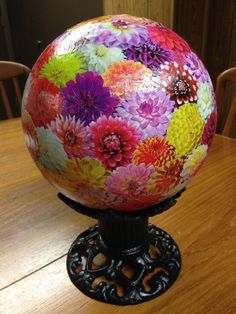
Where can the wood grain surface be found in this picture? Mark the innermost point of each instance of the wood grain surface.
(158, 10)
(36, 231)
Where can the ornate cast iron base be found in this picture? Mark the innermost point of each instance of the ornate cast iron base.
(123, 260)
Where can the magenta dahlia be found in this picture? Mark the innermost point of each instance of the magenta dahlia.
(114, 141)
(87, 99)
(209, 129)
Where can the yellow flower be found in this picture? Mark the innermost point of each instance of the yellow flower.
(86, 172)
(194, 161)
(185, 129)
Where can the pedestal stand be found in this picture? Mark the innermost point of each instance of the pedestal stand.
(123, 259)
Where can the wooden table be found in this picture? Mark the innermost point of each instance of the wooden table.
(36, 231)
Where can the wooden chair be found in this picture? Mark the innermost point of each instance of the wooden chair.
(228, 75)
(10, 70)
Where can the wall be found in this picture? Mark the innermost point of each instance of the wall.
(210, 27)
(160, 10)
(44, 20)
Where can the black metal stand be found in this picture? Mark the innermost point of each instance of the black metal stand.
(123, 260)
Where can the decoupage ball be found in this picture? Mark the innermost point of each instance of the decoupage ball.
(119, 113)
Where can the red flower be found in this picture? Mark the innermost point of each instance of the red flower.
(169, 40)
(141, 203)
(43, 102)
(154, 151)
(209, 130)
(114, 141)
(43, 58)
(179, 83)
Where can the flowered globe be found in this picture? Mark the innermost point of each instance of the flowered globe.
(119, 113)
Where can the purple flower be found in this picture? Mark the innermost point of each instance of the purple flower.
(196, 66)
(87, 99)
(121, 31)
(150, 112)
(149, 54)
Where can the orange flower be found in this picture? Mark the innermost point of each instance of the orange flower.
(163, 180)
(125, 77)
(154, 151)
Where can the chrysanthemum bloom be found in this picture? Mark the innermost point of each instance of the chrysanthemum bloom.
(196, 66)
(44, 102)
(165, 179)
(73, 135)
(121, 31)
(154, 151)
(149, 112)
(179, 83)
(87, 99)
(185, 129)
(125, 77)
(99, 57)
(142, 202)
(51, 151)
(149, 54)
(31, 139)
(44, 58)
(194, 161)
(114, 141)
(209, 129)
(130, 181)
(169, 40)
(98, 198)
(86, 172)
(204, 100)
(62, 68)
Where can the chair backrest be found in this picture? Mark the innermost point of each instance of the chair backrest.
(10, 70)
(228, 75)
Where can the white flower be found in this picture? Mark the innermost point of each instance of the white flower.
(99, 57)
(204, 100)
(52, 154)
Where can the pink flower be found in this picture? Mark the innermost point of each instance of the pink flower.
(209, 129)
(130, 182)
(98, 198)
(114, 141)
(72, 134)
(149, 112)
